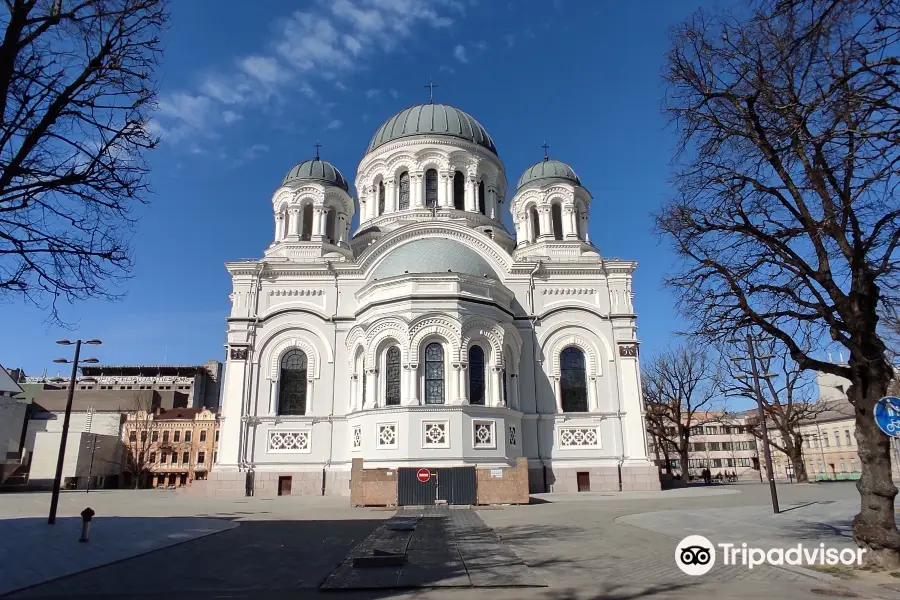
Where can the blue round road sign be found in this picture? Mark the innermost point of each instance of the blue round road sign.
(887, 415)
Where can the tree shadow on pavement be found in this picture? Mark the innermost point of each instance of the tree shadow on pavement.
(819, 532)
(611, 591)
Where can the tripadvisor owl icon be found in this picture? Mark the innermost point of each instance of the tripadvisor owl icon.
(695, 555)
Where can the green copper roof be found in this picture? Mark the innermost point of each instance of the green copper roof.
(548, 169)
(432, 119)
(316, 170)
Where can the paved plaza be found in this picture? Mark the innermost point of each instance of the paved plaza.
(580, 546)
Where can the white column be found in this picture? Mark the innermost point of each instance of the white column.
(557, 391)
(273, 397)
(496, 390)
(390, 195)
(584, 227)
(414, 384)
(232, 410)
(279, 226)
(463, 391)
(317, 212)
(492, 203)
(470, 195)
(593, 404)
(417, 189)
(445, 191)
(546, 223)
(371, 388)
(454, 384)
(354, 391)
(568, 223)
(630, 393)
(294, 221)
(341, 228)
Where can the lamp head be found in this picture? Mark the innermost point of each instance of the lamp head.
(94, 341)
(64, 342)
(61, 360)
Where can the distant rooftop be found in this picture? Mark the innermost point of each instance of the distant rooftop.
(142, 370)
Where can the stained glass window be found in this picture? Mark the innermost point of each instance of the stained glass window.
(573, 380)
(556, 217)
(459, 191)
(292, 390)
(380, 198)
(392, 376)
(307, 219)
(434, 374)
(431, 188)
(481, 207)
(476, 375)
(404, 192)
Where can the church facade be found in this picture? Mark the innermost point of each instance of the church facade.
(431, 336)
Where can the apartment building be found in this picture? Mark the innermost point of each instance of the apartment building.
(170, 448)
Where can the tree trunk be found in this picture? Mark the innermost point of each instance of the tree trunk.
(685, 470)
(795, 454)
(874, 528)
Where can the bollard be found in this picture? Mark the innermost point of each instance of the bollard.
(86, 515)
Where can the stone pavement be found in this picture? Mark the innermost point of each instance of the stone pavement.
(447, 548)
(33, 552)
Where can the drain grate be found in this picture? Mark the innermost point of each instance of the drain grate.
(834, 593)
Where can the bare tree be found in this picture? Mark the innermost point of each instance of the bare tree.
(76, 88)
(786, 216)
(786, 396)
(138, 431)
(679, 387)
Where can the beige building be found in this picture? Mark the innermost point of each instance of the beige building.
(721, 443)
(171, 448)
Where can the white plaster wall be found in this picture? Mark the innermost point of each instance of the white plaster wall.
(12, 417)
(77, 461)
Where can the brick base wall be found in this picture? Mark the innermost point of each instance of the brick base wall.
(511, 487)
(372, 487)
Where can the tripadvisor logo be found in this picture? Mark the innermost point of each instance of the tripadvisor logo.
(695, 555)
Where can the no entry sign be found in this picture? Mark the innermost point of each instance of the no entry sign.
(423, 475)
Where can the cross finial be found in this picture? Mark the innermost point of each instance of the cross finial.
(318, 145)
(434, 209)
(546, 148)
(431, 85)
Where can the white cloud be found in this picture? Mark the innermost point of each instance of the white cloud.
(393, 93)
(481, 46)
(446, 69)
(185, 113)
(460, 53)
(264, 69)
(334, 124)
(373, 93)
(229, 116)
(340, 86)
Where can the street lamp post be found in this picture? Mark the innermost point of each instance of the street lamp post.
(754, 371)
(57, 479)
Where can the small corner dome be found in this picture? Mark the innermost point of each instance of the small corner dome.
(318, 170)
(548, 169)
(432, 119)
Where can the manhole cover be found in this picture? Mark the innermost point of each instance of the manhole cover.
(834, 593)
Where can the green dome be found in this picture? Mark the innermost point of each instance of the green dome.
(548, 169)
(432, 119)
(316, 170)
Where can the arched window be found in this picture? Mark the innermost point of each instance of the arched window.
(476, 375)
(535, 223)
(292, 388)
(431, 188)
(403, 203)
(573, 380)
(434, 373)
(459, 191)
(362, 399)
(306, 221)
(556, 217)
(481, 207)
(392, 376)
(380, 198)
(331, 225)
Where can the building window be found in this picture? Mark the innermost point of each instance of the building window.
(843, 466)
(573, 380)
(434, 435)
(165, 436)
(174, 458)
(476, 375)
(837, 439)
(201, 458)
(848, 438)
(825, 443)
(459, 191)
(483, 434)
(215, 456)
(535, 223)
(185, 457)
(556, 219)
(154, 436)
(153, 458)
(380, 198)
(176, 436)
(331, 225)
(434, 373)
(187, 435)
(202, 435)
(853, 465)
(132, 437)
(392, 377)
(307, 221)
(431, 188)
(386, 435)
(217, 435)
(481, 207)
(292, 392)
(403, 194)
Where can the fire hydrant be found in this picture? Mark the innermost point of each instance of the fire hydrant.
(86, 515)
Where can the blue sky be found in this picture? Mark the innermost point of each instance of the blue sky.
(246, 93)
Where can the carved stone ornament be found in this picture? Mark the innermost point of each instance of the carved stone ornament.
(239, 353)
(628, 350)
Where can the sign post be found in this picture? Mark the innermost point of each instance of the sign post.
(423, 475)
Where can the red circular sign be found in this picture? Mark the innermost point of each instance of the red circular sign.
(423, 475)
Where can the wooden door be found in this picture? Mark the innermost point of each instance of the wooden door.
(284, 486)
(584, 482)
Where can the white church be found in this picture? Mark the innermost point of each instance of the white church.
(430, 336)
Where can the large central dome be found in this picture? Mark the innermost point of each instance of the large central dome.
(432, 119)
